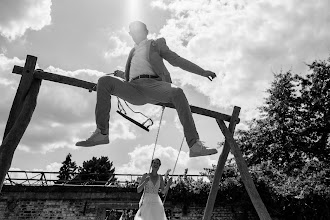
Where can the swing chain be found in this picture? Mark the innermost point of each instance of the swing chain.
(122, 110)
(120, 107)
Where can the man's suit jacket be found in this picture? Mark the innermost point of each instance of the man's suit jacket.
(158, 50)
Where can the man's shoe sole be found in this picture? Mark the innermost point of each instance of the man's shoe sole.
(84, 144)
(201, 155)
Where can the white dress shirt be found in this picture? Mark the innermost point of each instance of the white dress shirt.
(139, 63)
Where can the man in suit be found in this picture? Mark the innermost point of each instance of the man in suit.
(146, 80)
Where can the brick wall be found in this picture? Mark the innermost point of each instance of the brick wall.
(87, 202)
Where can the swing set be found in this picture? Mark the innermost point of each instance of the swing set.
(25, 102)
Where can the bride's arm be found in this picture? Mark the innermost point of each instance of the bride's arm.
(144, 180)
(165, 189)
(161, 184)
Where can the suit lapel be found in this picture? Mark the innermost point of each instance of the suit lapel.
(128, 64)
(149, 49)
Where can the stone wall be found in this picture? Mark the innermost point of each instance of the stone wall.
(92, 202)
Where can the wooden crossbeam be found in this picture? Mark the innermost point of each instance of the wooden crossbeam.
(92, 87)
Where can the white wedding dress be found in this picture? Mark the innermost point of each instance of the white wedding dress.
(151, 206)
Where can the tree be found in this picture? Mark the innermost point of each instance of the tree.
(275, 136)
(67, 170)
(294, 126)
(288, 147)
(315, 96)
(97, 171)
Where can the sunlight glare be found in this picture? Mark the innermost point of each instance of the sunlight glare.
(134, 10)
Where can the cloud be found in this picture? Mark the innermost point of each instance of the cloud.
(18, 16)
(120, 129)
(118, 44)
(7, 64)
(116, 48)
(53, 167)
(8, 86)
(140, 159)
(178, 124)
(244, 42)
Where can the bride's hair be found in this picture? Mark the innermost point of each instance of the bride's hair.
(160, 163)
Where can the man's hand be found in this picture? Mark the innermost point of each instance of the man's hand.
(119, 73)
(209, 74)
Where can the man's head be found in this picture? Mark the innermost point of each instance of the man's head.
(138, 31)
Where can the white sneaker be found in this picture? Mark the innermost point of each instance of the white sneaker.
(97, 138)
(198, 149)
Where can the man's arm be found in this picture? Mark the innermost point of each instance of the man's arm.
(175, 60)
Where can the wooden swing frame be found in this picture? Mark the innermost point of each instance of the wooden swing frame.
(26, 99)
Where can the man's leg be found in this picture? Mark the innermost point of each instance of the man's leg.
(164, 92)
(107, 86)
(180, 102)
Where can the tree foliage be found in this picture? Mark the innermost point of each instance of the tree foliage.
(67, 170)
(294, 126)
(97, 171)
(315, 104)
(288, 148)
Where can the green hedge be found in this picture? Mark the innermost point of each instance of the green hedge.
(304, 196)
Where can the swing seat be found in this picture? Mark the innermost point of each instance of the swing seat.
(136, 122)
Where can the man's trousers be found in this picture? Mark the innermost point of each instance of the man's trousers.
(139, 92)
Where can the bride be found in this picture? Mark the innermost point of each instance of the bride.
(151, 206)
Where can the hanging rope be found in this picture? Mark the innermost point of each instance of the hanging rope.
(160, 122)
(153, 153)
(174, 167)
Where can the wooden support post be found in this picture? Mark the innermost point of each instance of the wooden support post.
(244, 171)
(16, 132)
(220, 166)
(24, 86)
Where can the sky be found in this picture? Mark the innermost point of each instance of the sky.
(243, 42)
